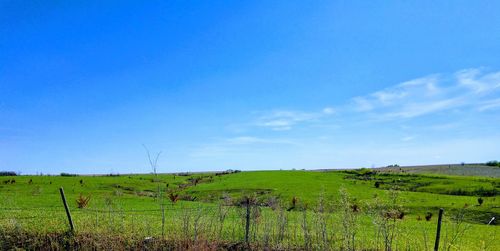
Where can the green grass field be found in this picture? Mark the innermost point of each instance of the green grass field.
(209, 207)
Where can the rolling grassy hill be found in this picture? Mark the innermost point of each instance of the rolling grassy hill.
(37, 197)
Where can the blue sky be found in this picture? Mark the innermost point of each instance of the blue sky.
(247, 84)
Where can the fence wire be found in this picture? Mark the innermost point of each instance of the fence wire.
(277, 228)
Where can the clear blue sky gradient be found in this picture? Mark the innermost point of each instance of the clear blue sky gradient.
(247, 84)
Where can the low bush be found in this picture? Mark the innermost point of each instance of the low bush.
(428, 216)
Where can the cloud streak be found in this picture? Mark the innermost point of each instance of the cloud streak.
(249, 140)
(465, 89)
(282, 120)
(409, 118)
(470, 88)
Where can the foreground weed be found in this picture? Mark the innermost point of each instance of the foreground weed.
(82, 201)
(457, 229)
(385, 218)
(349, 217)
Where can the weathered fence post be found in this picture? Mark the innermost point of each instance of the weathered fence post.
(247, 225)
(97, 219)
(438, 232)
(162, 221)
(72, 227)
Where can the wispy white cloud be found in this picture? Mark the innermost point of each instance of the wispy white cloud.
(397, 135)
(490, 105)
(362, 104)
(474, 80)
(463, 92)
(280, 120)
(328, 110)
(435, 93)
(385, 98)
(443, 126)
(248, 140)
(415, 109)
(408, 138)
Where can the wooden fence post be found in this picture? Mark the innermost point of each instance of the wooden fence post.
(247, 225)
(97, 219)
(438, 232)
(72, 227)
(162, 221)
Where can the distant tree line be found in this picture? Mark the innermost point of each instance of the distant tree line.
(7, 173)
(493, 163)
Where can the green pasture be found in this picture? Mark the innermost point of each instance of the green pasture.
(128, 204)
